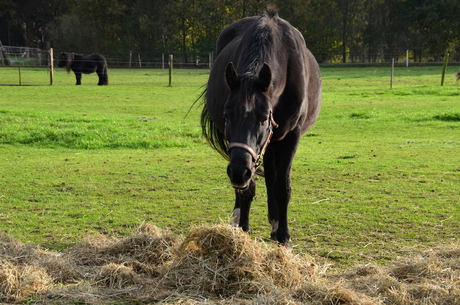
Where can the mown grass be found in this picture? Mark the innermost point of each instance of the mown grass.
(377, 176)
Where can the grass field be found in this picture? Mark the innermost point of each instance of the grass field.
(378, 175)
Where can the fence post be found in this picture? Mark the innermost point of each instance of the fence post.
(446, 58)
(171, 57)
(139, 57)
(392, 72)
(51, 65)
(130, 57)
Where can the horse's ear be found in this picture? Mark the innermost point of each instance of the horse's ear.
(265, 77)
(231, 76)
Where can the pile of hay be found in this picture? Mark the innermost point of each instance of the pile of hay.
(224, 262)
(216, 264)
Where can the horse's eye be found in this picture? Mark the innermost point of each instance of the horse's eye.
(264, 121)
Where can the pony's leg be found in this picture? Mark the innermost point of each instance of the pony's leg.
(103, 75)
(78, 77)
(101, 79)
(243, 200)
(285, 151)
(270, 176)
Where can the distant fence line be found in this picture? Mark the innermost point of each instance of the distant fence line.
(22, 56)
(33, 57)
(140, 61)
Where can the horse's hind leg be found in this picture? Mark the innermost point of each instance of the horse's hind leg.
(243, 200)
(101, 79)
(103, 76)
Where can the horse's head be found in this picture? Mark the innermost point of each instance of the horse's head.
(248, 122)
(65, 60)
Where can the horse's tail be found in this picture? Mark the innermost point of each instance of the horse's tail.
(214, 136)
(458, 75)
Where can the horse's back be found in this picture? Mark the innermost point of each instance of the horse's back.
(234, 30)
(93, 63)
(295, 68)
(313, 89)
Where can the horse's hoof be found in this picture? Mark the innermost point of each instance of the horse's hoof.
(285, 245)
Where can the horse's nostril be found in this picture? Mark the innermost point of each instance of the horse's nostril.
(247, 174)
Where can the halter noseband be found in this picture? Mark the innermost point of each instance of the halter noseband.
(256, 157)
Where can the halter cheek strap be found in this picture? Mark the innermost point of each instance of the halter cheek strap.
(256, 157)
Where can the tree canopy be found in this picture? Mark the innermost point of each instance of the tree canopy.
(335, 30)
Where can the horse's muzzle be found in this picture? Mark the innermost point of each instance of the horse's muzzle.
(240, 177)
(241, 168)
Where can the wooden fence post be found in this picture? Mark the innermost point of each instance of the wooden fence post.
(446, 59)
(392, 72)
(171, 58)
(51, 65)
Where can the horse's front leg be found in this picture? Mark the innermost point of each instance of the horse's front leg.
(270, 177)
(243, 200)
(278, 181)
(78, 77)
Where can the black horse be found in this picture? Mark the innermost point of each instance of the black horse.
(263, 93)
(85, 64)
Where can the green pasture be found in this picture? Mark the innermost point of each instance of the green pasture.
(376, 177)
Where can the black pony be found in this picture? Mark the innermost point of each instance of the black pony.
(263, 93)
(85, 64)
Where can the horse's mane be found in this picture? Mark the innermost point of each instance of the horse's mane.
(261, 43)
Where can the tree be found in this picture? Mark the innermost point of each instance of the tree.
(25, 21)
(334, 30)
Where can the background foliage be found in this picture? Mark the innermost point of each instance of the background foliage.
(335, 30)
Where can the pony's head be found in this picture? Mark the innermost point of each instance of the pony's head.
(65, 60)
(248, 122)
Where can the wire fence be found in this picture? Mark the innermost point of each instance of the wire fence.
(33, 57)
(22, 57)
